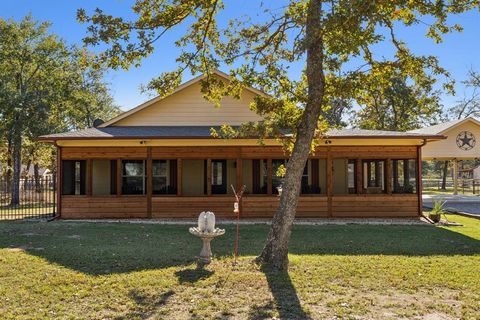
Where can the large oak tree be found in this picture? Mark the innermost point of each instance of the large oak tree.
(334, 40)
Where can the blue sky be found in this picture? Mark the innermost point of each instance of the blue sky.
(458, 53)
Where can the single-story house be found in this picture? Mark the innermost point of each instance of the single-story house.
(159, 160)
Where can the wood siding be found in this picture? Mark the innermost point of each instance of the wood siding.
(364, 152)
(85, 207)
(375, 206)
(188, 108)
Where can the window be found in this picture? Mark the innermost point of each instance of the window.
(352, 177)
(258, 175)
(164, 176)
(374, 176)
(73, 177)
(133, 177)
(310, 177)
(404, 176)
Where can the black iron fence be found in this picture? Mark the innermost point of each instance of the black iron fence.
(37, 198)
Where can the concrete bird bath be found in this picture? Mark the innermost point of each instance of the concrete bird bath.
(206, 231)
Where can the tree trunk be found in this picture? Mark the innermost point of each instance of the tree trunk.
(17, 166)
(275, 253)
(9, 164)
(444, 175)
(36, 176)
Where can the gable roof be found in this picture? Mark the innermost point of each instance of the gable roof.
(203, 132)
(444, 127)
(179, 88)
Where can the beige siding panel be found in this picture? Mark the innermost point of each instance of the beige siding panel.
(231, 175)
(340, 176)
(188, 108)
(101, 177)
(192, 177)
(448, 148)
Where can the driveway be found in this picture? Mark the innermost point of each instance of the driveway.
(458, 203)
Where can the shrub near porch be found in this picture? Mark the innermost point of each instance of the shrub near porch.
(86, 270)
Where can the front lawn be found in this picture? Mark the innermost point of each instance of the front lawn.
(140, 271)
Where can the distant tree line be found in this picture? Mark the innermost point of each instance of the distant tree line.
(46, 86)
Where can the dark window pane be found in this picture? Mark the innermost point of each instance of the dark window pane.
(73, 177)
(133, 185)
(160, 168)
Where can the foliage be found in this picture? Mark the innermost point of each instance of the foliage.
(46, 86)
(398, 106)
(437, 210)
(469, 105)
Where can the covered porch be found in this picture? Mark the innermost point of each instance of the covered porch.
(159, 181)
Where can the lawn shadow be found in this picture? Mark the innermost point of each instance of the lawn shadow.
(193, 275)
(106, 248)
(148, 304)
(287, 303)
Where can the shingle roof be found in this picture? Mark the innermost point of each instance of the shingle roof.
(133, 132)
(438, 128)
(443, 127)
(370, 133)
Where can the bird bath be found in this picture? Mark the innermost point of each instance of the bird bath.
(206, 231)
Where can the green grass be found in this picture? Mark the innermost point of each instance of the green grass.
(140, 271)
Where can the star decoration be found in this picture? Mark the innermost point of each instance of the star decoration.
(465, 140)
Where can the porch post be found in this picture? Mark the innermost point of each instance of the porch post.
(119, 177)
(269, 177)
(388, 177)
(455, 176)
(149, 177)
(329, 175)
(239, 180)
(209, 177)
(419, 180)
(89, 177)
(358, 164)
(179, 177)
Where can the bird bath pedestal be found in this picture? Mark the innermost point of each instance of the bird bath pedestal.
(205, 256)
(206, 231)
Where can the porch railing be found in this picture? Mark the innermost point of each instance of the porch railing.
(37, 198)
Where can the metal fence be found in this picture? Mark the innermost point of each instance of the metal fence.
(37, 199)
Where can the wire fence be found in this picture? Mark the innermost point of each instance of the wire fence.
(37, 198)
(465, 186)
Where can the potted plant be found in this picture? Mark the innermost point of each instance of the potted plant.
(437, 211)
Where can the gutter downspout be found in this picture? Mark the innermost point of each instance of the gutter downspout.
(57, 183)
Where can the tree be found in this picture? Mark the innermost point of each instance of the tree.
(470, 104)
(332, 39)
(41, 86)
(398, 106)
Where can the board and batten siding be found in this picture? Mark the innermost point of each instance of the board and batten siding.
(188, 108)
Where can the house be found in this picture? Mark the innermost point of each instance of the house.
(460, 143)
(159, 160)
